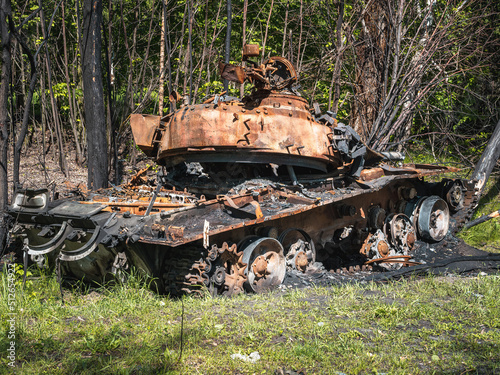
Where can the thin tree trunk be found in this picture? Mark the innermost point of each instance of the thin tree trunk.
(338, 62)
(93, 95)
(129, 53)
(44, 111)
(77, 61)
(72, 112)
(204, 54)
(169, 65)
(244, 31)
(55, 110)
(186, 71)
(161, 91)
(183, 28)
(214, 36)
(24, 127)
(22, 71)
(227, 52)
(300, 36)
(113, 154)
(132, 80)
(145, 57)
(5, 13)
(129, 96)
(190, 46)
(302, 57)
(265, 35)
(284, 29)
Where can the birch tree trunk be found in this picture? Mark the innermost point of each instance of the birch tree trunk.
(161, 91)
(227, 52)
(489, 159)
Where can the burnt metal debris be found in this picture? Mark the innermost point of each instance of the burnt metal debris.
(248, 190)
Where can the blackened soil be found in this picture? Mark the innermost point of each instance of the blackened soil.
(450, 256)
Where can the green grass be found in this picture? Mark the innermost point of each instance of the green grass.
(486, 236)
(433, 325)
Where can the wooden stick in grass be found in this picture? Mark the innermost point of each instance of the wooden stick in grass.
(482, 219)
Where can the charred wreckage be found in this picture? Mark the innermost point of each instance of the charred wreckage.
(248, 190)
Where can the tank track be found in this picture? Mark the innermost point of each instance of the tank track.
(180, 264)
(218, 270)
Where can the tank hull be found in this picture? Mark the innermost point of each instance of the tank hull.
(181, 247)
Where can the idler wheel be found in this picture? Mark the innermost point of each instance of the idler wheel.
(455, 196)
(376, 217)
(266, 264)
(433, 219)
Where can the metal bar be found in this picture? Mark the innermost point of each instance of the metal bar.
(83, 251)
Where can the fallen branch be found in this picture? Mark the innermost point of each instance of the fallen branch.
(482, 219)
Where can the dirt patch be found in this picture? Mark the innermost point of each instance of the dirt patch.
(43, 171)
(38, 171)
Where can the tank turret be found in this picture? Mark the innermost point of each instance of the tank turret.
(273, 124)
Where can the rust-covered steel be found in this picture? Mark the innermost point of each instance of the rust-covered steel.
(273, 127)
(248, 190)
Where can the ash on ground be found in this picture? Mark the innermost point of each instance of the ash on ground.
(450, 256)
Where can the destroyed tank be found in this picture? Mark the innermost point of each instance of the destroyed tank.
(247, 190)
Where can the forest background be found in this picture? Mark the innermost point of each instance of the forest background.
(402, 73)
